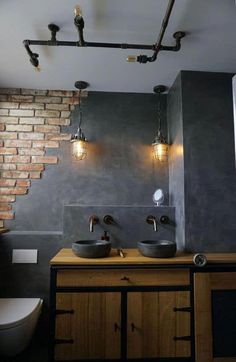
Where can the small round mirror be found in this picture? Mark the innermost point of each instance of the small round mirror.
(158, 197)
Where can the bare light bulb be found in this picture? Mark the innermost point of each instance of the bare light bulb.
(160, 151)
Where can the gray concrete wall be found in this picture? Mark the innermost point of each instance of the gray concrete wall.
(176, 158)
(119, 170)
(204, 126)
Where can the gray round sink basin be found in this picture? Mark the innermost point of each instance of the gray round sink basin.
(91, 248)
(157, 248)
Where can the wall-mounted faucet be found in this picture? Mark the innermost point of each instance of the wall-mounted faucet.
(93, 220)
(152, 220)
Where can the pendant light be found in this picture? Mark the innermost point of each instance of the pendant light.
(160, 145)
(78, 140)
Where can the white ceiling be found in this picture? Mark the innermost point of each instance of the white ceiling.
(209, 45)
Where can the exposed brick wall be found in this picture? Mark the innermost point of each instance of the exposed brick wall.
(30, 123)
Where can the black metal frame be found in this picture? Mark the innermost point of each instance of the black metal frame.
(123, 290)
(79, 23)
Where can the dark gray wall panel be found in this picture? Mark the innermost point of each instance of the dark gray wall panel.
(131, 224)
(176, 158)
(209, 160)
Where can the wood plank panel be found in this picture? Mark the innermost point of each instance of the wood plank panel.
(142, 325)
(167, 321)
(223, 281)
(132, 256)
(126, 277)
(203, 318)
(183, 348)
(91, 326)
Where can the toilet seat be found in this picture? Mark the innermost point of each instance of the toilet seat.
(14, 311)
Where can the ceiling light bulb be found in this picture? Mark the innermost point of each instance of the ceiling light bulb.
(78, 10)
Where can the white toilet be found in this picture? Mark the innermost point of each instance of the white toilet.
(18, 319)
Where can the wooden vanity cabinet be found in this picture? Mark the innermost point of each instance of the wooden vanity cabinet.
(121, 314)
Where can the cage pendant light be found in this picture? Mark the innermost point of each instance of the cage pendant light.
(78, 140)
(160, 145)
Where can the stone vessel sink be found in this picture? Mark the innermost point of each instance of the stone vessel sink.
(91, 248)
(157, 248)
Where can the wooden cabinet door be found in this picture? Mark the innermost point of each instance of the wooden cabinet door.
(93, 330)
(204, 285)
(153, 324)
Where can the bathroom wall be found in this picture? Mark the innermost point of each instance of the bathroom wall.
(205, 119)
(119, 170)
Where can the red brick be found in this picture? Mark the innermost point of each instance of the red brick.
(71, 100)
(31, 136)
(9, 120)
(60, 93)
(30, 167)
(19, 128)
(31, 151)
(1, 143)
(46, 144)
(15, 174)
(9, 105)
(7, 166)
(23, 183)
(21, 112)
(4, 112)
(31, 106)
(44, 159)
(13, 191)
(39, 99)
(6, 215)
(32, 120)
(7, 183)
(39, 113)
(17, 159)
(7, 198)
(65, 114)
(1, 159)
(34, 92)
(8, 135)
(58, 121)
(35, 175)
(17, 143)
(58, 107)
(1, 224)
(5, 207)
(9, 90)
(58, 137)
(20, 98)
(2, 127)
(8, 151)
(47, 129)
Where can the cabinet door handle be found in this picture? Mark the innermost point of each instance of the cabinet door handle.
(116, 327)
(125, 278)
(183, 338)
(132, 327)
(182, 309)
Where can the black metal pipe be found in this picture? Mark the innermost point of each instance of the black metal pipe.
(90, 44)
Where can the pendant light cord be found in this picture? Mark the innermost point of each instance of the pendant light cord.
(80, 111)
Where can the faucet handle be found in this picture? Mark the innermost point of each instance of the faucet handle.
(109, 220)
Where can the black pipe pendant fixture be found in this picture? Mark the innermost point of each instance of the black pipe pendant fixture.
(79, 24)
(78, 140)
(160, 145)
